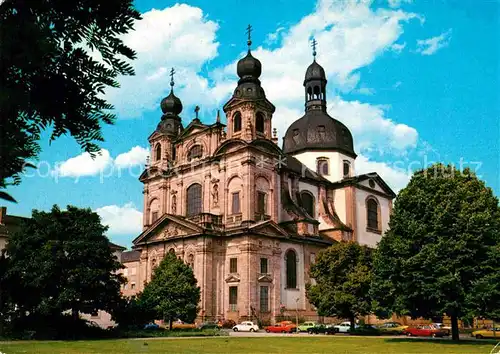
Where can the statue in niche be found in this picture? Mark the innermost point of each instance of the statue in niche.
(174, 204)
(215, 195)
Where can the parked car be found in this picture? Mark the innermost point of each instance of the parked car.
(392, 328)
(344, 327)
(151, 325)
(182, 325)
(282, 327)
(442, 327)
(322, 329)
(487, 333)
(365, 330)
(246, 327)
(208, 325)
(424, 331)
(304, 327)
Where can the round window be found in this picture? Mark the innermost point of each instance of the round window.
(371, 183)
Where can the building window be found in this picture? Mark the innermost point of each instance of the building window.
(264, 299)
(372, 214)
(124, 286)
(237, 122)
(174, 152)
(195, 152)
(132, 286)
(133, 271)
(154, 216)
(191, 261)
(259, 123)
(233, 298)
(322, 167)
(236, 203)
(308, 203)
(125, 272)
(153, 264)
(261, 203)
(263, 265)
(291, 269)
(158, 152)
(193, 200)
(313, 258)
(347, 168)
(233, 265)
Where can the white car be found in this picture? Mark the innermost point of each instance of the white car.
(246, 327)
(344, 327)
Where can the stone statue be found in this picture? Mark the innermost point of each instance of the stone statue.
(215, 195)
(174, 205)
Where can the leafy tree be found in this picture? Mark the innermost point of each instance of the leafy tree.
(172, 292)
(61, 260)
(132, 312)
(343, 276)
(439, 249)
(57, 58)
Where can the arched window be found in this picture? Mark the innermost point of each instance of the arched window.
(316, 92)
(291, 269)
(259, 123)
(195, 152)
(171, 251)
(158, 152)
(308, 202)
(193, 201)
(322, 167)
(237, 122)
(174, 153)
(372, 214)
(153, 264)
(347, 168)
(309, 93)
(191, 261)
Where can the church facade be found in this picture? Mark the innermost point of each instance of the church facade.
(248, 215)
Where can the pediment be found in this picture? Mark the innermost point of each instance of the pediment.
(372, 181)
(155, 135)
(168, 226)
(232, 278)
(265, 278)
(193, 128)
(268, 228)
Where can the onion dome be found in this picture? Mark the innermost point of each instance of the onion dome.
(171, 104)
(315, 72)
(249, 67)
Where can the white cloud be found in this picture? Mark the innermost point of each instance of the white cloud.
(397, 3)
(396, 178)
(398, 48)
(84, 165)
(136, 156)
(366, 91)
(103, 164)
(122, 220)
(432, 45)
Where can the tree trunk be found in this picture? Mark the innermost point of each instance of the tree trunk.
(454, 328)
(352, 319)
(75, 314)
(170, 323)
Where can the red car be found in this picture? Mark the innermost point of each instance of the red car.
(424, 331)
(282, 327)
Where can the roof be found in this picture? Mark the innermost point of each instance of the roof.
(116, 247)
(130, 256)
(355, 180)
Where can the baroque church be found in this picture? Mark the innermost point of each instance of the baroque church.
(248, 215)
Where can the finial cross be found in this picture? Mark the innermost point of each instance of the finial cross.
(249, 33)
(313, 45)
(196, 110)
(172, 72)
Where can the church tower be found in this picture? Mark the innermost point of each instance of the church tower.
(161, 141)
(248, 112)
(320, 142)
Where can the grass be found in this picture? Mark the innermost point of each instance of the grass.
(333, 344)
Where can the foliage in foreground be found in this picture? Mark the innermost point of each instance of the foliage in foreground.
(58, 57)
(343, 276)
(440, 255)
(172, 292)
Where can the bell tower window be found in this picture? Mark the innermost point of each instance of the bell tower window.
(347, 168)
(323, 166)
(158, 152)
(260, 123)
(237, 122)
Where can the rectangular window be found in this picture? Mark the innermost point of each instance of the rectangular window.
(261, 203)
(125, 272)
(264, 299)
(233, 298)
(233, 265)
(132, 286)
(154, 216)
(263, 265)
(133, 271)
(236, 203)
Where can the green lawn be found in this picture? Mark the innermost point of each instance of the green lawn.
(334, 344)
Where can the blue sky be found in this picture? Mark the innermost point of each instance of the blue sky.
(415, 81)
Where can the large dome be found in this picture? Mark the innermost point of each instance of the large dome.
(316, 130)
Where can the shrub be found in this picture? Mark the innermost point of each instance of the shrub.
(228, 324)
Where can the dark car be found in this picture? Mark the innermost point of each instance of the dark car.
(322, 329)
(366, 330)
(151, 326)
(208, 325)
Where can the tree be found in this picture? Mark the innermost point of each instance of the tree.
(57, 57)
(342, 274)
(172, 292)
(61, 260)
(439, 248)
(132, 312)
